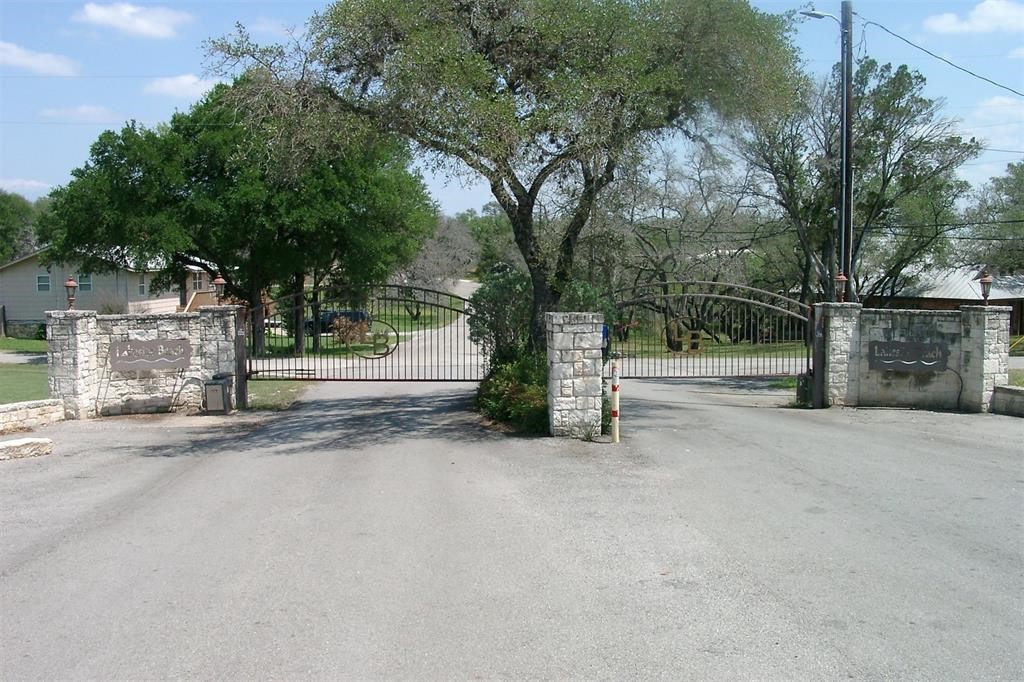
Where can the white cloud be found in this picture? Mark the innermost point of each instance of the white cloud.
(29, 188)
(988, 16)
(999, 123)
(43, 63)
(186, 86)
(1016, 54)
(149, 22)
(83, 113)
(271, 27)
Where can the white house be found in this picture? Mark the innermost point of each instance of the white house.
(28, 289)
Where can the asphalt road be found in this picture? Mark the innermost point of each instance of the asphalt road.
(378, 532)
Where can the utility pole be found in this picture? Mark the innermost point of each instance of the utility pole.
(845, 290)
(846, 241)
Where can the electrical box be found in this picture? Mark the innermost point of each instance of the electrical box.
(217, 395)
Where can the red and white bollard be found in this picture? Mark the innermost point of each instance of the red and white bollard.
(615, 402)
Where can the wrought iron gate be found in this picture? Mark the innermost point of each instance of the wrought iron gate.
(709, 329)
(364, 333)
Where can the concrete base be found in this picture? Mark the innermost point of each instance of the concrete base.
(1008, 400)
(25, 447)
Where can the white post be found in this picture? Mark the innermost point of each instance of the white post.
(615, 402)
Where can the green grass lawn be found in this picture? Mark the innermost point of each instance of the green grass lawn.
(1017, 345)
(656, 349)
(274, 395)
(20, 382)
(22, 345)
(1017, 377)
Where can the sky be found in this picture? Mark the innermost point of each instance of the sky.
(70, 70)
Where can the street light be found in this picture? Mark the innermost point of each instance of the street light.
(846, 181)
(985, 280)
(69, 286)
(218, 285)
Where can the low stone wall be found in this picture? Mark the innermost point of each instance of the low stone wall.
(29, 415)
(574, 374)
(1008, 400)
(103, 365)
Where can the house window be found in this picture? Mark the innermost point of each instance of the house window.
(142, 284)
(84, 282)
(42, 282)
(197, 281)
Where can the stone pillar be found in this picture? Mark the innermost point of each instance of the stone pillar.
(841, 329)
(984, 354)
(217, 343)
(71, 355)
(574, 374)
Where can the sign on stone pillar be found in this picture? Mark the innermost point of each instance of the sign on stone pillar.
(574, 373)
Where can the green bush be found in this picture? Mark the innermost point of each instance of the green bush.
(500, 323)
(516, 393)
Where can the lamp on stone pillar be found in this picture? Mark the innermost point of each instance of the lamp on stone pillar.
(218, 285)
(70, 285)
(841, 281)
(985, 280)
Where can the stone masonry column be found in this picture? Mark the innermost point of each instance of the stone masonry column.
(217, 343)
(984, 354)
(71, 356)
(574, 374)
(841, 328)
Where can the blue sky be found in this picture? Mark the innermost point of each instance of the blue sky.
(69, 70)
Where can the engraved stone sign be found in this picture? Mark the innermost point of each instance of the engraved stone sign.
(907, 356)
(131, 356)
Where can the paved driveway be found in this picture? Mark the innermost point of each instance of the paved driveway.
(378, 532)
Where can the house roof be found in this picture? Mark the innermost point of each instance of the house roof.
(22, 259)
(153, 267)
(962, 285)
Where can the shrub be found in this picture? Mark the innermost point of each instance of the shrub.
(516, 393)
(500, 322)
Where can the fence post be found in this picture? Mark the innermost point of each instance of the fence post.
(615, 402)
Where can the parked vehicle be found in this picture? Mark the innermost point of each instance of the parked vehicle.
(327, 318)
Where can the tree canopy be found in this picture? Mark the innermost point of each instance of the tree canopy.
(201, 191)
(534, 93)
(18, 216)
(904, 158)
(995, 237)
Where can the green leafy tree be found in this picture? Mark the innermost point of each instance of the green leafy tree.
(531, 93)
(202, 191)
(995, 240)
(904, 160)
(17, 220)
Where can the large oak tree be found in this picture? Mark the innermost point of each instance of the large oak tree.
(526, 93)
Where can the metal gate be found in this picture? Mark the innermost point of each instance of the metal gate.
(709, 329)
(364, 333)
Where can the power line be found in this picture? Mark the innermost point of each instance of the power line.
(941, 59)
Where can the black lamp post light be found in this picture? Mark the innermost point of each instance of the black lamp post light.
(70, 285)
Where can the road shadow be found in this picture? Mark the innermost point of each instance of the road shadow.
(343, 424)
